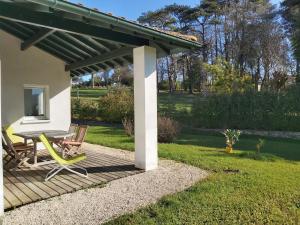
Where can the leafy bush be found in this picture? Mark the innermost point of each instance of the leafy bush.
(168, 129)
(84, 109)
(163, 85)
(249, 110)
(227, 79)
(117, 105)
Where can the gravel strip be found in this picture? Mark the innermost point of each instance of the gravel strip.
(98, 205)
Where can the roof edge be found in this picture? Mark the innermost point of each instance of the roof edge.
(117, 21)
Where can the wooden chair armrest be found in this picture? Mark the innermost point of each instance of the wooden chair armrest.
(71, 143)
(23, 148)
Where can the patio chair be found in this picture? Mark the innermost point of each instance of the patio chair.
(19, 154)
(16, 141)
(61, 162)
(74, 146)
(72, 129)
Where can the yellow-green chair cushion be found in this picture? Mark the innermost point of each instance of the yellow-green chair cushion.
(10, 131)
(56, 155)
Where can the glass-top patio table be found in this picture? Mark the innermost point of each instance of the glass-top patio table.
(34, 136)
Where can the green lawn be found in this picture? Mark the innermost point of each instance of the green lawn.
(265, 190)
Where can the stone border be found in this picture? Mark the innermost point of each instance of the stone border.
(275, 134)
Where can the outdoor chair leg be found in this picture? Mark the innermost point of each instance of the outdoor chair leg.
(53, 172)
(23, 162)
(85, 174)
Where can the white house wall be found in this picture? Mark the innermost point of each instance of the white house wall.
(32, 67)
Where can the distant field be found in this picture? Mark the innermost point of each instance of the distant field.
(177, 105)
(88, 93)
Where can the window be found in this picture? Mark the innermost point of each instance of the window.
(35, 102)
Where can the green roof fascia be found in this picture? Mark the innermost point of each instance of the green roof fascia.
(21, 14)
(116, 21)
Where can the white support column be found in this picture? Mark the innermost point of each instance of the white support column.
(1, 153)
(145, 107)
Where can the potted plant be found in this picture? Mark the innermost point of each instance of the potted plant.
(232, 137)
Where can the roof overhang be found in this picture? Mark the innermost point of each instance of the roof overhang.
(86, 39)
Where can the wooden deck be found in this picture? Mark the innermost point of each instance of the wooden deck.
(25, 186)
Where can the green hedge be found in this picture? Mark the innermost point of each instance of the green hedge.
(114, 106)
(251, 110)
(84, 109)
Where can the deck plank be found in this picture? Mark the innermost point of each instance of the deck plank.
(13, 200)
(22, 186)
(7, 204)
(27, 185)
(57, 181)
(24, 199)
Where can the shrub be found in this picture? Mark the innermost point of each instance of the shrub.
(84, 109)
(117, 105)
(260, 145)
(163, 85)
(168, 129)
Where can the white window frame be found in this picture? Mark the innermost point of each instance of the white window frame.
(46, 102)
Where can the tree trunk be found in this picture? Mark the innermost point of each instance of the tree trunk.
(169, 76)
(216, 40)
(190, 77)
(93, 80)
(183, 76)
(257, 74)
(204, 47)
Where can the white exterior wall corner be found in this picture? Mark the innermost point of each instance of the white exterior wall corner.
(32, 67)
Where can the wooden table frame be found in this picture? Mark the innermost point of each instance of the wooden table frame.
(34, 136)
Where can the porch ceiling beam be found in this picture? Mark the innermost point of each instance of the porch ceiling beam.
(16, 31)
(39, 36)
(129, 59)
(110, 64)
(82, 72)
(87, 70)
(94, 68)
(100, 58)
(69, 46)
(96, 44)
(119, 62)
(99, 67)
(79, 43)
(50, 21)
(102, 66)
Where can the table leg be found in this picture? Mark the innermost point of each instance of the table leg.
(35, 152)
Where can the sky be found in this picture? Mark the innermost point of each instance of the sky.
(132, 9)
